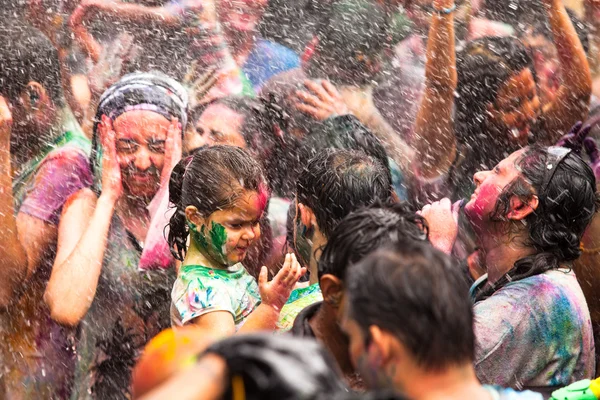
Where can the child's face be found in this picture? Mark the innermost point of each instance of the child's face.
(229, 233)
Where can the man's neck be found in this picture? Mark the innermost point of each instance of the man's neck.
(318, 243)
(454, 383)
(501, 255)
(328, 332)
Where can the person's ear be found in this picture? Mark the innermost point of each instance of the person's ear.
(519, 209)
(332, 289)
(381, 345)
(307, 216)
(192, 215)
(35, 97)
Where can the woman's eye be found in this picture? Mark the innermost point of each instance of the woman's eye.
(126, 147)
(157, 146)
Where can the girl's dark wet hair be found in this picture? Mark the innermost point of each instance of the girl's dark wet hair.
(210, 180)
(566, 207)
(366, 230)
(483, 66)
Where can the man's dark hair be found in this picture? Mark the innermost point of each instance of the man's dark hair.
(27, 55)
(418, 294)
(367, 230)
(336, 182)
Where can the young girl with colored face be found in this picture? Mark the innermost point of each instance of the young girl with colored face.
(220, 194)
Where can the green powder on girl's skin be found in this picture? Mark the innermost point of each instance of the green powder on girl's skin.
(218, 240)
(218, 237)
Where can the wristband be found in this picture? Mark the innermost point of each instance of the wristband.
(445, 11)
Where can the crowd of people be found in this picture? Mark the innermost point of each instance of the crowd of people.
(299, 199)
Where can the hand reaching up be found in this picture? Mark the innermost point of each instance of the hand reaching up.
(277, 292)
(321, 100)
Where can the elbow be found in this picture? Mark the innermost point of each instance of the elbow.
(60, 312)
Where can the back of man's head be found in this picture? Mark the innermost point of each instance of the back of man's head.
(336, 182)
(26, 56)
(367, 230)
(417, 294)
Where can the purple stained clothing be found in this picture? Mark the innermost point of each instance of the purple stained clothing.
(535, 332)
(64, 172)
(37, 354)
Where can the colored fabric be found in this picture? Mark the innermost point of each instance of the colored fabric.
(130, 307)
(298, 301)
(301, 326)
(535, 332)
(200, 290)
(509, 394)
(266, 60)
(36, 353)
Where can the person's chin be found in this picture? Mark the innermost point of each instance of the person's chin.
(142, 191)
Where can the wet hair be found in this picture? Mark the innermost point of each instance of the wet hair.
(483, 66)
(27, 55)
(337, 182)
(418, 294)
(351, 38)
(566, 207)
(210, 180)
(278, 367)
(366, 230)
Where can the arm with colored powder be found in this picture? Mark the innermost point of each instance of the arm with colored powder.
(436, 147)
(82, 239)
(274, 295)
(573, 96)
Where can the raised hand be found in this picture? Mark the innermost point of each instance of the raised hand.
(172, 151)
(575, 138)
(442, 221)
(277, 292)
(321, 100)
(6, 121)
(591, 148)
(112, 185)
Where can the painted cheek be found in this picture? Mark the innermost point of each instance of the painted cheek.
(486, 199)
(157, 160)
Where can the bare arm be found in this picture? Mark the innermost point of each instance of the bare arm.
(436, 146)
(573, 96)
(82, 239)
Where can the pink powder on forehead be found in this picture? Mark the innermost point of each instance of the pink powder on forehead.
(263, 196)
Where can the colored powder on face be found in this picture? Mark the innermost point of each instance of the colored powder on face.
(218, 238)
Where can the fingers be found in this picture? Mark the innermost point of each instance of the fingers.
(319, 90)
(310, 110)
(309, 99)
(575, 128)
(331, 90)
(263, 277)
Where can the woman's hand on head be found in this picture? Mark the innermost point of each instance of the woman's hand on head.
(442, 221)
(6, 120)
(112, 186)
(173, 149)
(277, 292)
(321, 100)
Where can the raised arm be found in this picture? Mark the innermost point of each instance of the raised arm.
(436, 146)
(573, 96)
(82, 239)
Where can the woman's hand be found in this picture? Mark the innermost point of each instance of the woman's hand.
(172, 151)
(6, 122)
(112, 186)
(277, 292)
(321, 100)
(442, 221)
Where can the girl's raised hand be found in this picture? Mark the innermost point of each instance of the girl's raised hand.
(277, 292)
(111, 170)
